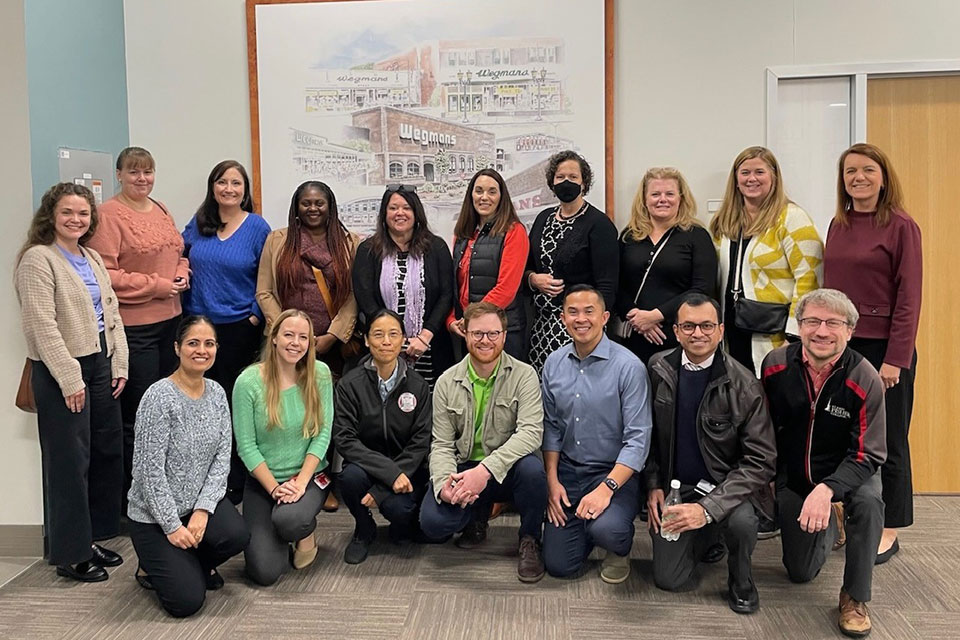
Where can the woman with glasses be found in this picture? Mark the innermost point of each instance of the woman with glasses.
(874, 255)
(769, 255)
(664, 254)
(570, 243)
(489, 253)
(406, 268)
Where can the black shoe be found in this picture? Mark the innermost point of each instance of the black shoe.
(143, 579)
(714, 553)
(767, 528)
(889, 553)
(214, 580)
(235, 496)
(747, 601)
(356, 552)
(473, 535)
(105, 558)
(83, 571)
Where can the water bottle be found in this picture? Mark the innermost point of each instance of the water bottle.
(673, 498)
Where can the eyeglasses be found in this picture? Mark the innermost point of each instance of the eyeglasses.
(814, 323)
(401, 188)
(706, 328)
(492, 336)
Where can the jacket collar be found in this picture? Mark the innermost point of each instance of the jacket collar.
(718, 369)
(462, 376)
(367, 363)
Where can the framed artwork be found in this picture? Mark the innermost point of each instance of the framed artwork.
(364, 93)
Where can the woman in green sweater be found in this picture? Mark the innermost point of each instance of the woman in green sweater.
(282, 414)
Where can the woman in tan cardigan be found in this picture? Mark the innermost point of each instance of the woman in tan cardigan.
(307, 266)
(75, 338)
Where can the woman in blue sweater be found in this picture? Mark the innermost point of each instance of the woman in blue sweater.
(224, 241)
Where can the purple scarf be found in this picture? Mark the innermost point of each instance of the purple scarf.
(414, 294)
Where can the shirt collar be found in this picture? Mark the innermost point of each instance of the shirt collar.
(602, 350)
(692, 366)
(474, 378)
(826, 368)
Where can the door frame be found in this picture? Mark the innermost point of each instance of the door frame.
(858, 73)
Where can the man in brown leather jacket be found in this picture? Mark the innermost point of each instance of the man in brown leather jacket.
(713, 433)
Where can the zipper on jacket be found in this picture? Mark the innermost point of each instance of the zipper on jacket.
(813, 413)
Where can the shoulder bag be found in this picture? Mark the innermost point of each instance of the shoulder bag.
(751, 315)
(621, 329)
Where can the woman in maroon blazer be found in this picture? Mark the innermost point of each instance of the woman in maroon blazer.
(873, 255)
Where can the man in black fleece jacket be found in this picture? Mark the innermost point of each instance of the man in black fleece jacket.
(826, 401)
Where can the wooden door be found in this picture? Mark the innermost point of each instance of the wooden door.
(917, 122)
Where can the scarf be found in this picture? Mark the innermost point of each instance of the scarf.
(414, 293)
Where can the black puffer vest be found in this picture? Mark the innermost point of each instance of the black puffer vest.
(484, 270)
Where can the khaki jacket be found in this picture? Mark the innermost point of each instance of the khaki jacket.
(512, 426)
(341, 325)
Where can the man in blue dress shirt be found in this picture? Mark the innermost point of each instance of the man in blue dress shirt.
(596, 435)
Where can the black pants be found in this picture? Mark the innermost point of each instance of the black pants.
(274, 526)
(402, 510)
(675, 563)
(525, 486)
(151, 357)
(180, 575)
(804, 553)
(82, 462)
(895, 474)
(238, 347)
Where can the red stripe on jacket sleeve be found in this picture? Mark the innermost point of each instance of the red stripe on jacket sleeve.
(769, 371)
(862, 394)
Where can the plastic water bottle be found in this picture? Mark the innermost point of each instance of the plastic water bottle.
(673, 498)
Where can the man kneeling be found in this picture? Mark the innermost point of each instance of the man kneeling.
(712, 432)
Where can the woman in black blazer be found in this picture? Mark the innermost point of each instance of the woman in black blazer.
(403, 246)
(570, 243)
(665, 243)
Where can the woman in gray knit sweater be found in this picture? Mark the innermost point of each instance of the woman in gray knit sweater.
(181, 525)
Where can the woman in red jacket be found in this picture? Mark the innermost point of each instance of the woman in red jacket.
(873, 255)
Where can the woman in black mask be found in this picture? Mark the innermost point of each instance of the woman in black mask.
(570, 243)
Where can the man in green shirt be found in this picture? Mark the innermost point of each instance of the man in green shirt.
(487, 431)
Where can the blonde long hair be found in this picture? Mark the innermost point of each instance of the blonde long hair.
(306, 378)
(891, 193)
(730, 219)
(640, 224)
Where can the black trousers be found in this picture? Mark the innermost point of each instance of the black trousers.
(151, 357)
(804, 553)
(238, 347)
(895, 474)
(179, 576)
(675, 563)
(82, 462)
(402, 510)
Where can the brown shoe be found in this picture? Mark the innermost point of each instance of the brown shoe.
(854, 617)
(496, 510)
(841, 528)
(331, 504)
(530, 566)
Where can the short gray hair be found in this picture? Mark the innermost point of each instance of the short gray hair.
(832, 299)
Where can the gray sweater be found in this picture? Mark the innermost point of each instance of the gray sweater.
(181, 454)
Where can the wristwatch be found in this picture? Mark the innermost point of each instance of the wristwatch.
(706, 515)
(612, 484)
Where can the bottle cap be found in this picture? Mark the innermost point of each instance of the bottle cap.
(674, 484)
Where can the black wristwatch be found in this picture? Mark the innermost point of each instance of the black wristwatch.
(612, 484)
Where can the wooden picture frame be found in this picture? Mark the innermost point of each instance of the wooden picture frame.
(608, 97)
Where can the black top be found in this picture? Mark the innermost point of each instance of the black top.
(438, 284)
(586, 255)
(688, 464)
(739, 341)
(687, 262)
(383, 437)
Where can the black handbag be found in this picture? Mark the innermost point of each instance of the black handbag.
(752, 315)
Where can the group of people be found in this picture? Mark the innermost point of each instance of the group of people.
(155, 397)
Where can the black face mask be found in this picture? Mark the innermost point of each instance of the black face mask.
(566, 191)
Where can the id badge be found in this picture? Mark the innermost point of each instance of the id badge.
(704, 487)
(322, 479)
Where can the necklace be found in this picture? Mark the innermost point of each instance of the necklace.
(193, 390)
(564, 218)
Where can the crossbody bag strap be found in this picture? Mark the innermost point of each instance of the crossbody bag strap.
(324, 291)
(738, 274)
(653, 258)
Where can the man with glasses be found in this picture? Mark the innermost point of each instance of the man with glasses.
(487, 430)
(712, 432)
(826, 401)
(596, 433)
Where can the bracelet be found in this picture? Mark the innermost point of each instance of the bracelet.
(422, 341)
(274, 490)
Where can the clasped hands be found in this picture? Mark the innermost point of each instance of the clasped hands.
(401, 485)
(647, 324)
(191, 535)
(465, 487)
(590, 507)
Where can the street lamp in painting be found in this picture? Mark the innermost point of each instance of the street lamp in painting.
(463, 81)
(539, 77)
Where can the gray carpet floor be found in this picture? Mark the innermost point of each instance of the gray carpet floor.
(439, 592)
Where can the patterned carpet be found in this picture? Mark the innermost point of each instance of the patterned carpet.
(441, 592)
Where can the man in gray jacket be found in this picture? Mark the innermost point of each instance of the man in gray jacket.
(487, 430)
(712, 432)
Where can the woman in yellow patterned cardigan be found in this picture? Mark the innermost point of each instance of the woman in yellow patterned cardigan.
(776, 245)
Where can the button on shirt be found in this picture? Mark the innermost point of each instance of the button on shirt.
(597, 410)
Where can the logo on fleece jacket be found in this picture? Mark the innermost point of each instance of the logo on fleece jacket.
(836, 411)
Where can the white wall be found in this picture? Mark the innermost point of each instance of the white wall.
(20, 470)
(689, 78)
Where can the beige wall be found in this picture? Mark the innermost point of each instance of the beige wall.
(20, 470)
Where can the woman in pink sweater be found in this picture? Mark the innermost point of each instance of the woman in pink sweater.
(873, 254)
(143, 253)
